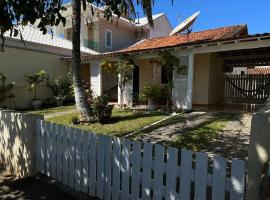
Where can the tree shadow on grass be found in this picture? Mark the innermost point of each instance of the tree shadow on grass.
(208, 137)
(116, 119)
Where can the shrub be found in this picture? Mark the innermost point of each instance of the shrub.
(34, 80)
(150, 92)
(62, 87)
(102, 109)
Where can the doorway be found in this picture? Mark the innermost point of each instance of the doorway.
(136, 84)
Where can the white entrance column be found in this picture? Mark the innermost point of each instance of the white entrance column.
(190, 80)
(128, 91)
(96, 78)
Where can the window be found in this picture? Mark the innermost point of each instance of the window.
(108, 39)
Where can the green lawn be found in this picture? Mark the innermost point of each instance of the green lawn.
(123, 122)
(44, 111)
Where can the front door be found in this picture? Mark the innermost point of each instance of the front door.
(136, 86)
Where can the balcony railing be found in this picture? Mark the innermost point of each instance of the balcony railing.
(91, 44)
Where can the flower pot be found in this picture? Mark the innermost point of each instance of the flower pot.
(36, 104)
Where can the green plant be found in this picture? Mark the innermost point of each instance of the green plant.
(170, 64)
(34, 80)
(102, 109)
(5, 88)
(61, 87)
(124, 69)
(150, 92)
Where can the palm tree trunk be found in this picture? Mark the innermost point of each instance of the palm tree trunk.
(80, 97)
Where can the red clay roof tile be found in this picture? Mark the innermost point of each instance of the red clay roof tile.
(259, 70)
(177, 40)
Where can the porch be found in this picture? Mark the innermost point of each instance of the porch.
(202, 87)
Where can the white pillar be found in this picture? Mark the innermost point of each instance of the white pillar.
(127, 94)
(96, 78)
(190, 80)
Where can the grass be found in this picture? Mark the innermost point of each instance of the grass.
(45, 111)
(199, 138)
(123, 122)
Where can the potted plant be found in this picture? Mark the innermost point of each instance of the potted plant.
(61, 88)
(150, 93)
(34, 80)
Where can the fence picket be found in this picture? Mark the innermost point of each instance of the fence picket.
(135, 173)
(66, 135)
(38, 147)
(158, 172)
(78, 160)
(48, 147)
(116, 168)
(238, 180)
(59, 153)
(201, 176)
(108, 168)
(146, 174)
(100, 166)
(85, 161)
(71, 163)
(42, 147)
(125, 169)
(219, 178)
(53, 150)
(185, 174)
(92, 164)
(170, 173)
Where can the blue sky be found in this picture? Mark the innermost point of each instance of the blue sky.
(217, 13)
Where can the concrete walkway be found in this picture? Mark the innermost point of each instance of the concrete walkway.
(169, 133)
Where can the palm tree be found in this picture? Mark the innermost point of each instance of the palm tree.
(117, 7)
(80, 96)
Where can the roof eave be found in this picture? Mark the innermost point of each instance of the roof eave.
(183, 46)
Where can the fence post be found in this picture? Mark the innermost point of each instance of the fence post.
(259, 151)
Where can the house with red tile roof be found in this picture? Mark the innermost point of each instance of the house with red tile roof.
(208, 55)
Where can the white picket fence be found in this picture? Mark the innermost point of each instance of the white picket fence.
(113, 168)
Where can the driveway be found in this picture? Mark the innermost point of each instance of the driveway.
(216, 133)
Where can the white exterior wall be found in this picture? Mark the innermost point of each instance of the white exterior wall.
(96, 78)
(180, 90)
(16, 63)
(161, 28)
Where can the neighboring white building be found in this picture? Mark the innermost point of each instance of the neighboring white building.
(36, 52)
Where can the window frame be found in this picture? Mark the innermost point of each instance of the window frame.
(106, 39)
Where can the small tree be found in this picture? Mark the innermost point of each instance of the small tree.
(5, 89)
(34, 80)
(170, 64)
(123, 69)
(61, 88)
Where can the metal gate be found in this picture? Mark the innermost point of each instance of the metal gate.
(248, 91)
